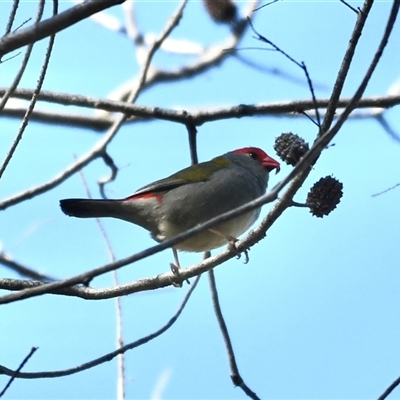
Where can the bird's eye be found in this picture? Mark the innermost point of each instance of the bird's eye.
(253, 155)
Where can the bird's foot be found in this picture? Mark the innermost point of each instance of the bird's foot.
(176, 271)
(232, 245)
(175, 268)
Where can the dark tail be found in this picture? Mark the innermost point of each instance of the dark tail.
(83, 208)
(130, 211)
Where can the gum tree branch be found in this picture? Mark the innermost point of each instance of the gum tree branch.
(390, 389)
(33, 100)
(51, 26)
(344, 68)
(106, 357)
(15, 373)
(11, 17)
(200, 117)
(235, 374)
(23, 270)
(28, 52)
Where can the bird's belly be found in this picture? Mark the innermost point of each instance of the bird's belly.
(209, 240)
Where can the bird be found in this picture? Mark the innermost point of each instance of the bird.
(187, 198)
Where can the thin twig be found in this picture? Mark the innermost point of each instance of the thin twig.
(118, 307)
(387, 128)
(235, 374)
(15, 373)
(301, 65)
(386, 190)
(11, 17)
(390, 389)
(301, 205)
(345, 66)
(27, 55)
(132, 29)
(192, 134)
(51, 26)
(266, 5)
(271, 70)
(13, 86)
(109, 356)
(350, 6)
(372, 66)
(108, 160)
(22, 270)
(314, 99)
(106, 20)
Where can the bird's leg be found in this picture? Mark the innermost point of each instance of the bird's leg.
(232, 244)
(175, 268)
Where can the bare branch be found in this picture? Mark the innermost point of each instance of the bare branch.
(106, 20)
(235, 374)
(51, 26)
(118, 306)
(11, 17)
(22, 270)
(17, 371)
(35, 93)
(387, 128)
(132, 29)
(108, 160)
(386, 190)
(350, 6)
(192, 134)
(109, 356)
(142, 113)
(27, 55)
(344, 68)
(390, 389)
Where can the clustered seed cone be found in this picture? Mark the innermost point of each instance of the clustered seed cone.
(324, 196)
(223, 11)
(290, 147)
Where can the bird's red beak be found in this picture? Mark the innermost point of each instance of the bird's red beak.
(269, 163)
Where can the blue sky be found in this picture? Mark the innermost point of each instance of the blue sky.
(314, 314)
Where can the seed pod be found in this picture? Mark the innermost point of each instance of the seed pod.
(290, 147)
(222, 11)
(324, 196)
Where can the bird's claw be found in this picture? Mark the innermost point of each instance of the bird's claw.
(246, 256)
(175, 269)
(232, 246)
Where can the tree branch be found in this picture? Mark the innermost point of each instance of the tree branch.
(51, 26)
(144, 113)
(235, 374)
(106, 357)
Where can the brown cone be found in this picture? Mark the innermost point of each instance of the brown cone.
(290, 147)
(324, 196)
(222, 11)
